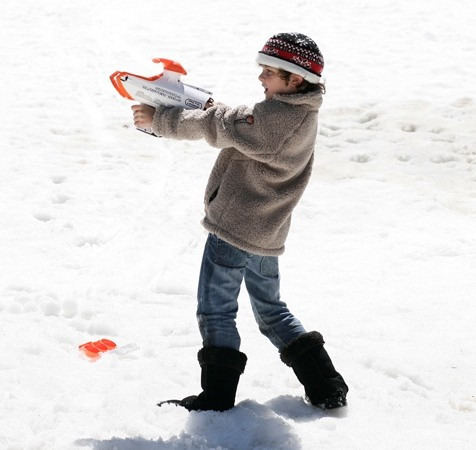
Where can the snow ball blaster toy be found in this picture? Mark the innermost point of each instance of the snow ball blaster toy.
(163, 89)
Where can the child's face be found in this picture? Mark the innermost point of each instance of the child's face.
(274, 84)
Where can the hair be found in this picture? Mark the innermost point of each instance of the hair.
(304, 86)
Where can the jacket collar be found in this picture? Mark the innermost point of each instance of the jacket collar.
(313, 100)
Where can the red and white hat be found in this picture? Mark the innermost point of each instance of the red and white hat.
(295, 53)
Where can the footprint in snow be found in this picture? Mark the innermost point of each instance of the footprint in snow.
(328, 132)
(366, 118)
(360, 158)
(88, 241)
(409, 128)
(463, 102)
(43, 216)
(57, 179)
(443, 159)
(404, 157)
(50, 306)
(60, 199)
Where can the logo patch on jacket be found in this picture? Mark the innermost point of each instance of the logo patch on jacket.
(250, 120)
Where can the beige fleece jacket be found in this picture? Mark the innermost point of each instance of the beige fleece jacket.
(263, 167)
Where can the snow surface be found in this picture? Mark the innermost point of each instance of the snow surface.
(100, 233)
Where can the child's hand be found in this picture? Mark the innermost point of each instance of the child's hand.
(143, 116)
(209, 104)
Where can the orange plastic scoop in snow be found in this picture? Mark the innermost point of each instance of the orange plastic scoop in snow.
(93, 350)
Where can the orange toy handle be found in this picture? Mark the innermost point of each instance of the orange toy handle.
(173, 66)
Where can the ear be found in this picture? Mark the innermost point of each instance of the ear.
(295, 80)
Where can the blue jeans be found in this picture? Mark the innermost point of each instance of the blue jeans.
(223, 269)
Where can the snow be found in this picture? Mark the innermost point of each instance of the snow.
(100, 233)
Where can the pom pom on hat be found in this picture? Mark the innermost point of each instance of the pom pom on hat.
(295, 53)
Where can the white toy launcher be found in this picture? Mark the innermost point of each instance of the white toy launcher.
(163, 89)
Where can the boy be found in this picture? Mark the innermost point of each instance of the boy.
(257, 180)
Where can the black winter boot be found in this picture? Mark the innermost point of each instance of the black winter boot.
(323, 385)
(221, 370)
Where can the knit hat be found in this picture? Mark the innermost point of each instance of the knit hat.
(295, 53)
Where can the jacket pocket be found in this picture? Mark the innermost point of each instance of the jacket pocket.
(213, 195)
